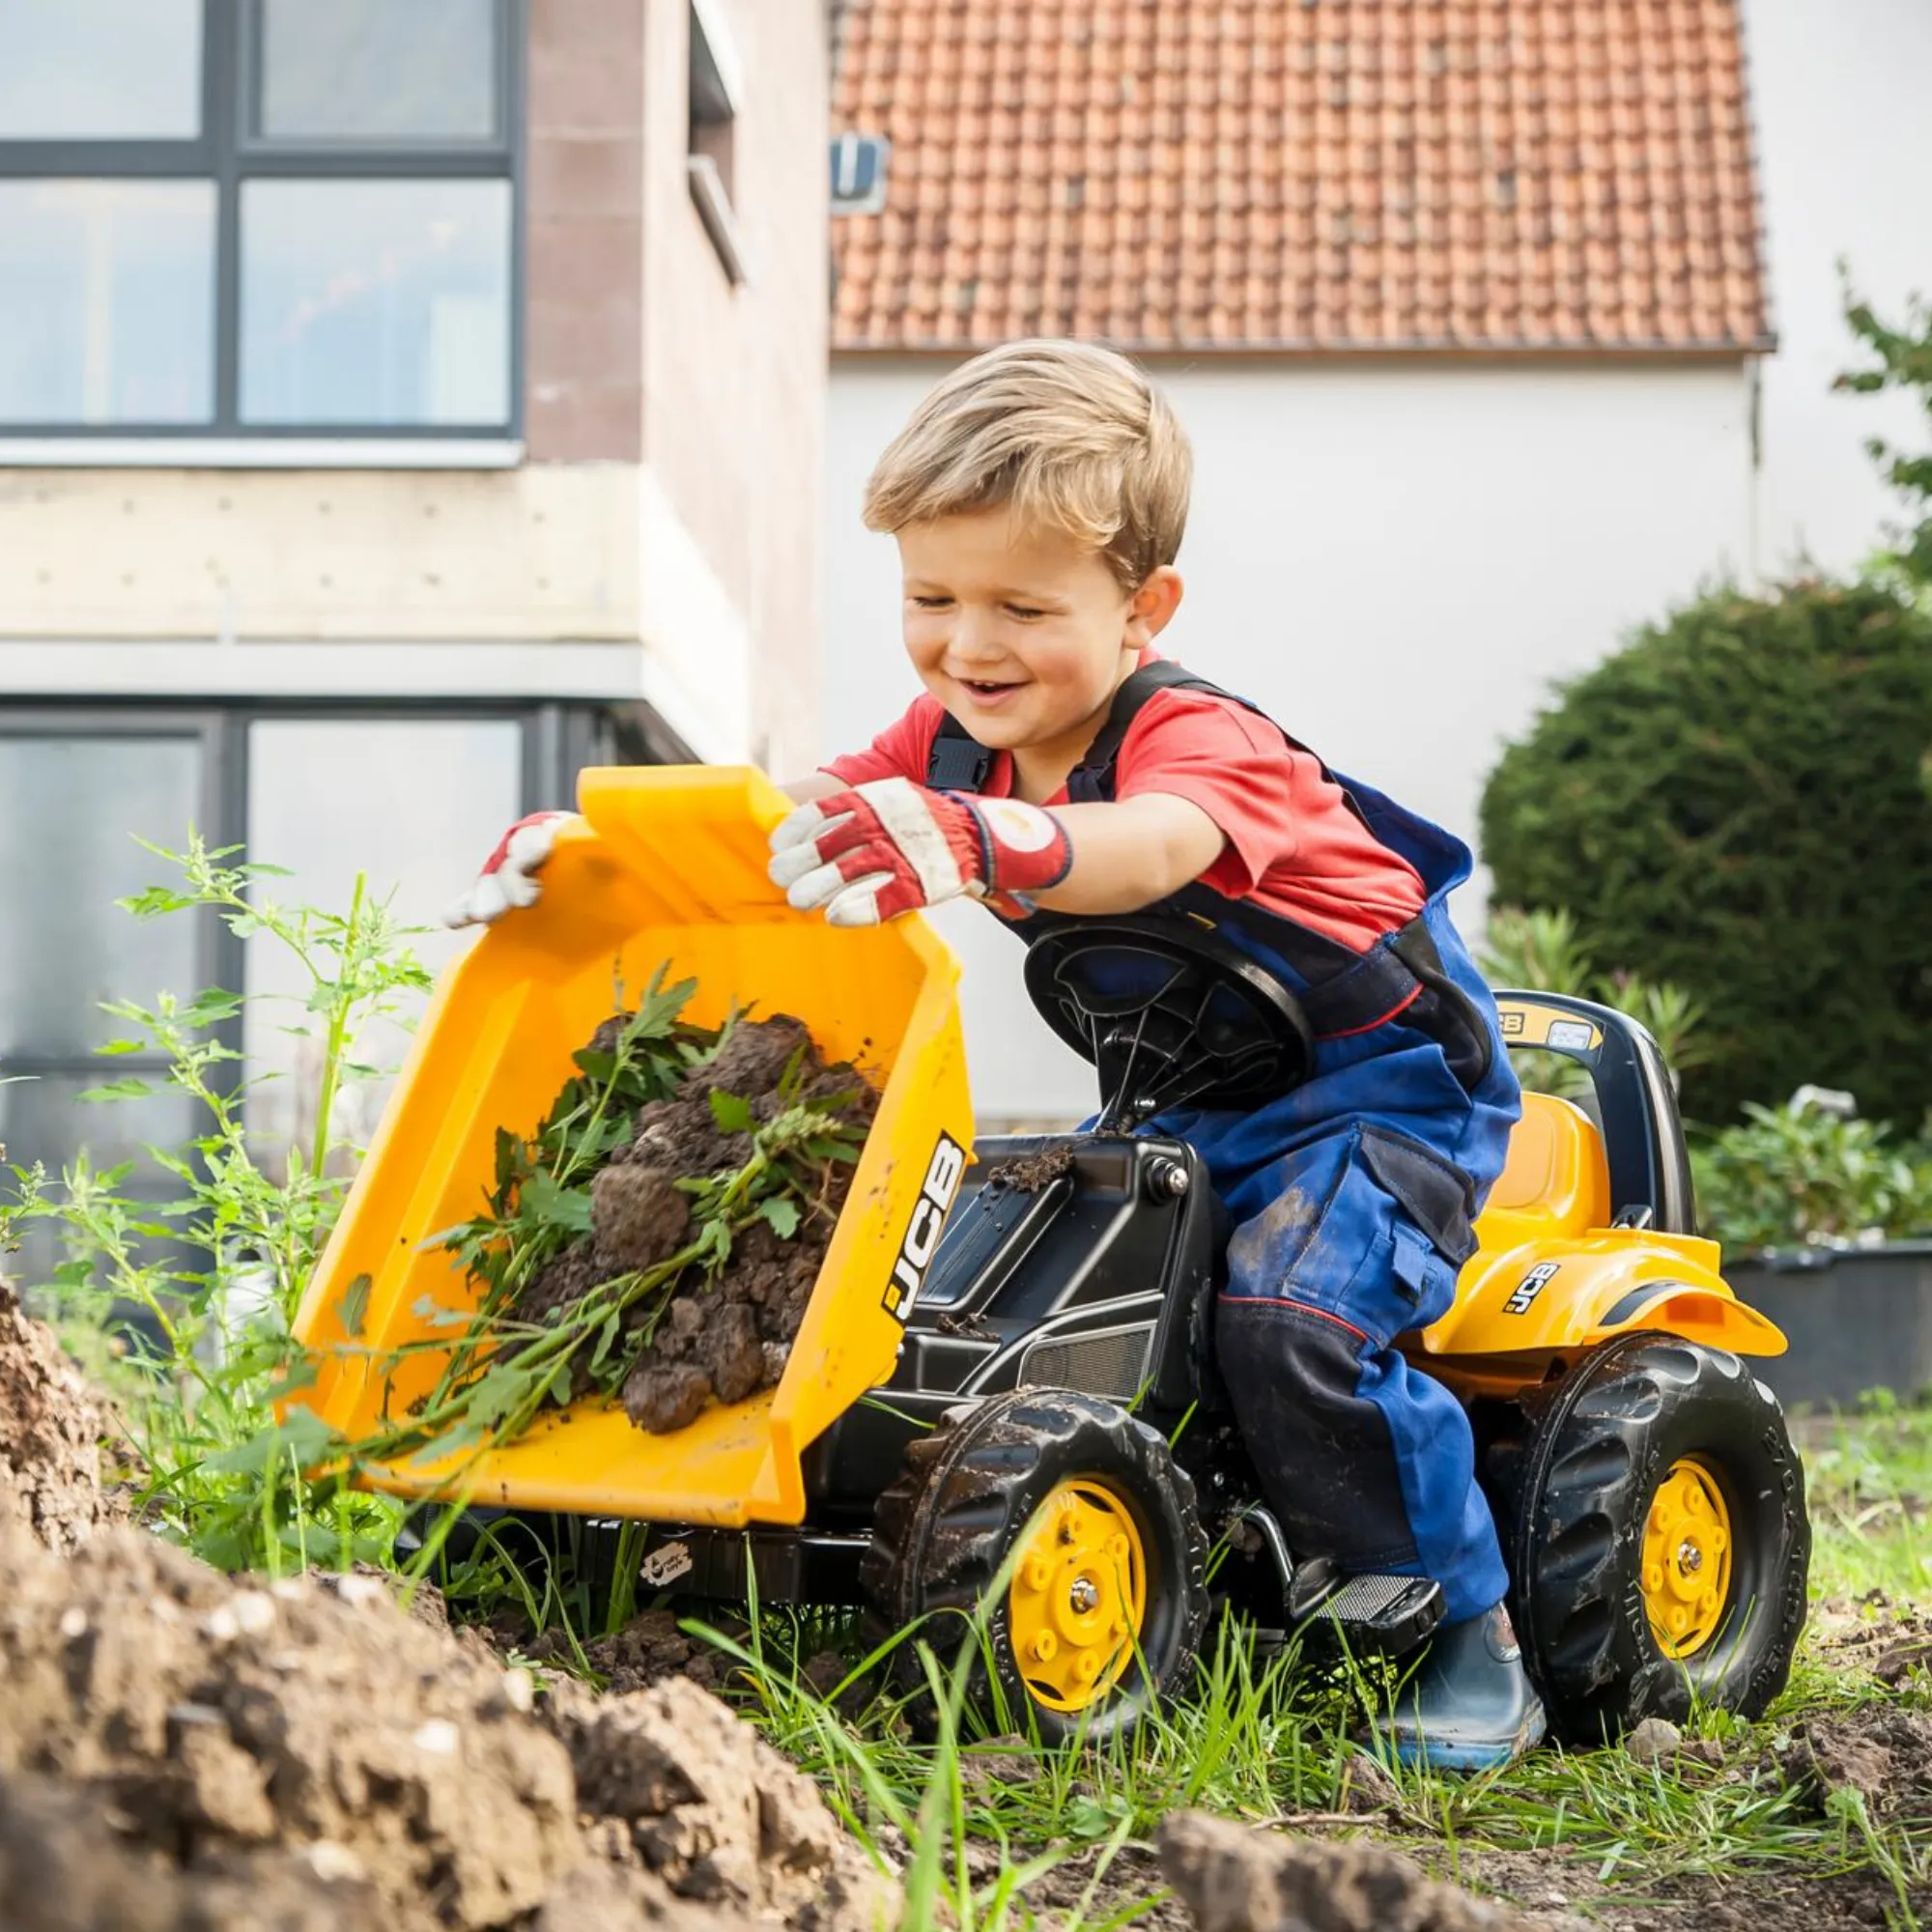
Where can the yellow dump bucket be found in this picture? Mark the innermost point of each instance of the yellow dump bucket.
(667, 869)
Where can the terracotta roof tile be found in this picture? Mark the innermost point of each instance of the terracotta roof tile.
(1303, 175)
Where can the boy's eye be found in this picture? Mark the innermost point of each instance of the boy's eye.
(932, 603)
(1024, 611)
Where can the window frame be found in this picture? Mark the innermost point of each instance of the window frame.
(228, 154)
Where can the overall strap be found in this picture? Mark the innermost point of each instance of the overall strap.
(959, 762)
(1092, 779)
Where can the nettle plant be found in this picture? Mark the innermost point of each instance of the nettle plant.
(213, 1263)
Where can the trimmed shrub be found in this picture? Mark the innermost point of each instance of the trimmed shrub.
(1739, 802)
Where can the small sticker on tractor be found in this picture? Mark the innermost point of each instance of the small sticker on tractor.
(666, 1564)
(1530, 1287)
(928, 1217)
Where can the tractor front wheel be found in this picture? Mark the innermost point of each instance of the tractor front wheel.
(1660, 1540)
(1066, 1529)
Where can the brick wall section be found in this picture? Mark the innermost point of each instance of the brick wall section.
(734, 376)
(584, 352)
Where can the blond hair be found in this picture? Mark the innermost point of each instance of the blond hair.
(1077, 440)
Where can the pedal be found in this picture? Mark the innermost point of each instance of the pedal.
(1365, 1615)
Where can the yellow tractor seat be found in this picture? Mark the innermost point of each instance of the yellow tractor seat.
(1555, 1181)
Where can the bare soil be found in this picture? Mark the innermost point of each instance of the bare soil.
(49, 1426)
(179, 1750)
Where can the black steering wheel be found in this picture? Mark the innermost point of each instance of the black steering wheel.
(1170, 1017)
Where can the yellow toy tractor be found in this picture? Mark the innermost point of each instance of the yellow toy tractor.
(1003, 1396)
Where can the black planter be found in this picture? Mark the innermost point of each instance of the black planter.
(1857, 1320)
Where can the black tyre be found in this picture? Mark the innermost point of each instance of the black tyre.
(1660, 1540)
(1102, 1610)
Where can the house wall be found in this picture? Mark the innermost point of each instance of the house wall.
(734, 378)
(1396, 560)
(1844, 145)
(665, 506)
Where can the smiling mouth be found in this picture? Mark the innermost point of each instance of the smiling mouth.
(985, 686)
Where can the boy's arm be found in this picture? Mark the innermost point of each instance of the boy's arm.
(890, 846)
(1127, 855)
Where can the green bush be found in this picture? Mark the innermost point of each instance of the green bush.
(1808, 1175)
(1737, 804)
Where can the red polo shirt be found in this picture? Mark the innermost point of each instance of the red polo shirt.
(1291, 845)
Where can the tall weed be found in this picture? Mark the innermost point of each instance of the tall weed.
(211, 1272)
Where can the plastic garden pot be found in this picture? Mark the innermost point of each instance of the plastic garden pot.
(1857, 1320)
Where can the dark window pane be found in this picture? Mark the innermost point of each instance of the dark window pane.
(378, 70)
(380, 304)
(45, 1120)
(75, 804)
(324, 798)
(99, 70)
(106, 301)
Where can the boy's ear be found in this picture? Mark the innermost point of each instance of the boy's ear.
(1154, 603)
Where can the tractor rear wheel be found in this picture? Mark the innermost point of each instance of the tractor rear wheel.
(1660, 1540)
(1068, 1528)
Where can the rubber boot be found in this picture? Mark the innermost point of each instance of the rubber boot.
(1471, 1706)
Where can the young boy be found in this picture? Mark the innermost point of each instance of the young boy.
(1039, 497)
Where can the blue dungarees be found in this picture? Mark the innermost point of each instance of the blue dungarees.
(1351, 1198)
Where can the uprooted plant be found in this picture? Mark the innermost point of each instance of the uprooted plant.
(654, 1240)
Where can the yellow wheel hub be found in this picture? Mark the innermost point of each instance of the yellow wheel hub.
(1078, 1595)
(1687, 1560)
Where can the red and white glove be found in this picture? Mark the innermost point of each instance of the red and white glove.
(867, 855)
(508, 877)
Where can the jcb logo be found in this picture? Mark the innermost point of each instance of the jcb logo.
(922, 1235)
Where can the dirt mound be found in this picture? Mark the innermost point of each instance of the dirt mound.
(220, 1756)
(1881, 1751)
(49, 1466)
(1235, 1879)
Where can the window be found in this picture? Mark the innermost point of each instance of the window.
(714, 90)
(85, 783)
(259, 218)
(318, 789)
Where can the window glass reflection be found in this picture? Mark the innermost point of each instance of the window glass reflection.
(99, 70)
(85, 798)
(106, 301)
(326, 799)
(378, 70)
(380, 304)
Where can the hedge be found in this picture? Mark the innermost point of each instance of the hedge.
(1740, 801)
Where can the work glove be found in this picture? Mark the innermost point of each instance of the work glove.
(889, 847)
(508, 877)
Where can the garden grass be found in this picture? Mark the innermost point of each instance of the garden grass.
(982, 1823)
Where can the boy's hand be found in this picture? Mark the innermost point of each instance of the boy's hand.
(867, 855)
(508, 877)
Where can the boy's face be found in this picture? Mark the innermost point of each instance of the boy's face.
(1023, 637)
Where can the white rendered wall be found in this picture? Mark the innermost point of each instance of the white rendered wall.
(1845, 142)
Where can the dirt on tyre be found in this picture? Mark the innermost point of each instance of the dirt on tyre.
(1661, 1542)
(1072, 1524)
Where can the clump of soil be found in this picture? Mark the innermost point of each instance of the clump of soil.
(724, 1337)
(1235, 1879)
(49, 1426)
(1035, 1172)
(181, 1754)
(1882, 1751)
(646, 1651)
